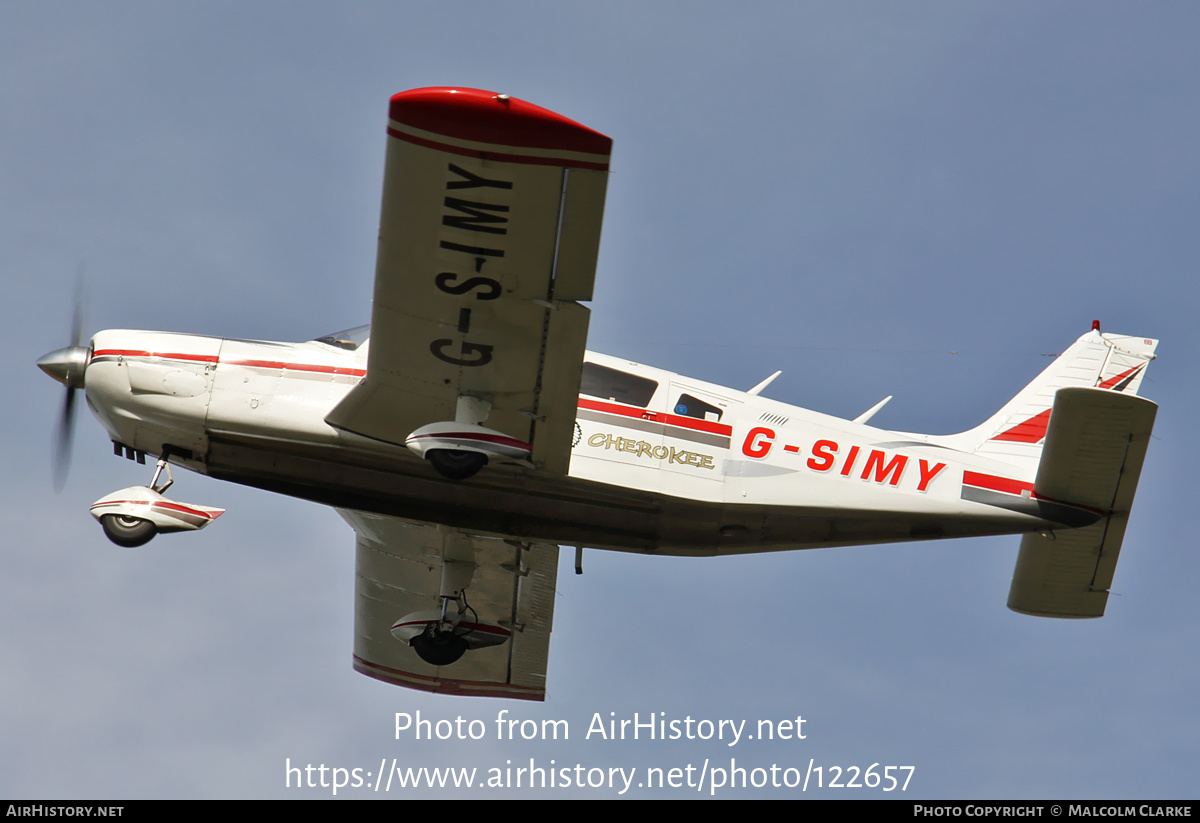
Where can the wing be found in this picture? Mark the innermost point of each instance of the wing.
(398, 572)
(487, 241)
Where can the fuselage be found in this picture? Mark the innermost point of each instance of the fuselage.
(660, 462)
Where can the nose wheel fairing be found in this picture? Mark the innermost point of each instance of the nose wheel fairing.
(142, 504)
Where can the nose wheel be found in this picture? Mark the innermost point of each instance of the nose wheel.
(131, 532)
(126, 531)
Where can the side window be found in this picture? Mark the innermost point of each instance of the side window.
(688, 406)
(618, 386)
(350, 339)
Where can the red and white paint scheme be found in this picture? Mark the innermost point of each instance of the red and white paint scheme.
(466, 433)
(130, 508)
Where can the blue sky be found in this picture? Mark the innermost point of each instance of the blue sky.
(918, 199)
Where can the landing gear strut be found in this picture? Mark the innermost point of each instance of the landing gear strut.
(158, 470)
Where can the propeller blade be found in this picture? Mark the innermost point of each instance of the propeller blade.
(62, 441)
(68, 366)
(78, 311)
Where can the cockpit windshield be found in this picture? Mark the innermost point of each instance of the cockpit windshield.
(350, 339)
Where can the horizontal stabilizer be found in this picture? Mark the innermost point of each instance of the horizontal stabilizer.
(1095, 444)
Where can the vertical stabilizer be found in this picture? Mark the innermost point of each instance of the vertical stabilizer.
(1017, 432)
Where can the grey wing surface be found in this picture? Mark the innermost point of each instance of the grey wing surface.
(399, 572)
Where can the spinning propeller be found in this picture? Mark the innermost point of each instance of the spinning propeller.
(67, 366)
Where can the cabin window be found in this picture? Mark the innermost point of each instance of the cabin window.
(618, 386)
(350, 339)
(688, 406)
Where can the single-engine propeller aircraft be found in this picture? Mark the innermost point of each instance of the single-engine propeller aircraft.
(466, 434)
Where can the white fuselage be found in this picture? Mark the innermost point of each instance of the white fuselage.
(684, 467)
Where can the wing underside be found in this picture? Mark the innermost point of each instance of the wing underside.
(399, 572)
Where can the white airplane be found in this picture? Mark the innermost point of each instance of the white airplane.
(466, 434)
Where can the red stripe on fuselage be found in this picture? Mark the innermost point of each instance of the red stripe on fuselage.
(1017, 488)
(253, 364)
(996, 484)
(657, 417)
(283, 364)
(191, 358)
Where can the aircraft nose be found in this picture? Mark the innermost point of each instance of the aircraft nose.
(66, 365)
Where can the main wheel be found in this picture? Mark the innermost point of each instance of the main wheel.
(454, 464)
(438, 648)
(128, 531)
